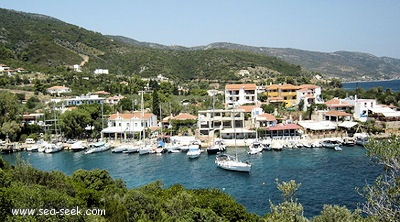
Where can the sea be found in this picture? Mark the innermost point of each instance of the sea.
(326, 176)
(394, 85)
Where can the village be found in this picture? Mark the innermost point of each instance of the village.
(242, 120)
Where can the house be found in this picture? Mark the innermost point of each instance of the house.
(101, 71)
(77, 68)
(4, 68)
(239, 94)
(58, 90)
(125, 125)
(83, 99)
(112, 100)
(219, 119)
(292, 95)
(309, 94)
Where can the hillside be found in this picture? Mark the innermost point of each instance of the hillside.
(37, 41)
(341, 64)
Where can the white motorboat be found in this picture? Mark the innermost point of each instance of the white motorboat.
(217, 147)
(228, 162)
(97, 147)
(255, 148)
(193, 153)
(146, 149)
(33, 148)
(78, 146)
(121, 148)
(53, 148)
(330, 143)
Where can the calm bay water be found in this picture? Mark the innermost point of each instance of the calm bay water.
(394, 85)
(326, 176)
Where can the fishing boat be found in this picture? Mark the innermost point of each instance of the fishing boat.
(97, 147)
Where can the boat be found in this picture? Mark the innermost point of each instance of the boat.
(231, 163)
(97, 147)
(276, 145)
(193, 153)
(53, 147)
(330, 143)
(78, 146)
(361, 138)
(217, 147)
(337, 148)
(192, 144)
(146, 149)
(255, 148)
(119, 149)
(131, 149)
(33, 148)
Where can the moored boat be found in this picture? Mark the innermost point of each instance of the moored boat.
(97, 147)
(78, 146)
(53, 147)
(193, 153)
(231, 163)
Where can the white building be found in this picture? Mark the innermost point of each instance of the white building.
(83, 99)
(209, 120)
(361, 107)
(125, 124)
(101, 71)
(58, 90)
(240, 94)
(309, 94)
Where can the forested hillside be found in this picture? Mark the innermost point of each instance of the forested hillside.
(35, 41)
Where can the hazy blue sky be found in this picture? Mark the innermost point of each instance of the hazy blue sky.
(371, 26)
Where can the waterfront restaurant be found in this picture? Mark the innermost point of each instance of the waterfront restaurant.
(281, 131)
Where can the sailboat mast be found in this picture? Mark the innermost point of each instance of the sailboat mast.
(234, 130)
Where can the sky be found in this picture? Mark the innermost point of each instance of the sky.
(370, 26)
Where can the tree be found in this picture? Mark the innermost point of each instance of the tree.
(10, 114)
(382, 198)
(289, 209)
(156, 103)
(73, 123)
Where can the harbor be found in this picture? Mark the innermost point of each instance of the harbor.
(327, 176)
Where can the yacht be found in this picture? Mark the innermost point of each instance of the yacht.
(217, 147)
(193, 152)
(255, 148)
(97, 147)
(78, 146)
(53, 148)
(228, 162)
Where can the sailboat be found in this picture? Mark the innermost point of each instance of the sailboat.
(232, 163)
(218, 145)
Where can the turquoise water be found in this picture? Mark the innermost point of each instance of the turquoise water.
(326, 176)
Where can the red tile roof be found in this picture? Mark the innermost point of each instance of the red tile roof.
(267, 116)
(247, 109)
(284, 127)
(335, 102)
(240, 86)
(337, 113)
(130, 115)
(184, 116)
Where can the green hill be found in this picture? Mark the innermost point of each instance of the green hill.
(32, 40)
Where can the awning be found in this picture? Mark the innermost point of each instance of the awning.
(237, 130)
(347, 124)
(115, 129)
(317, 125)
